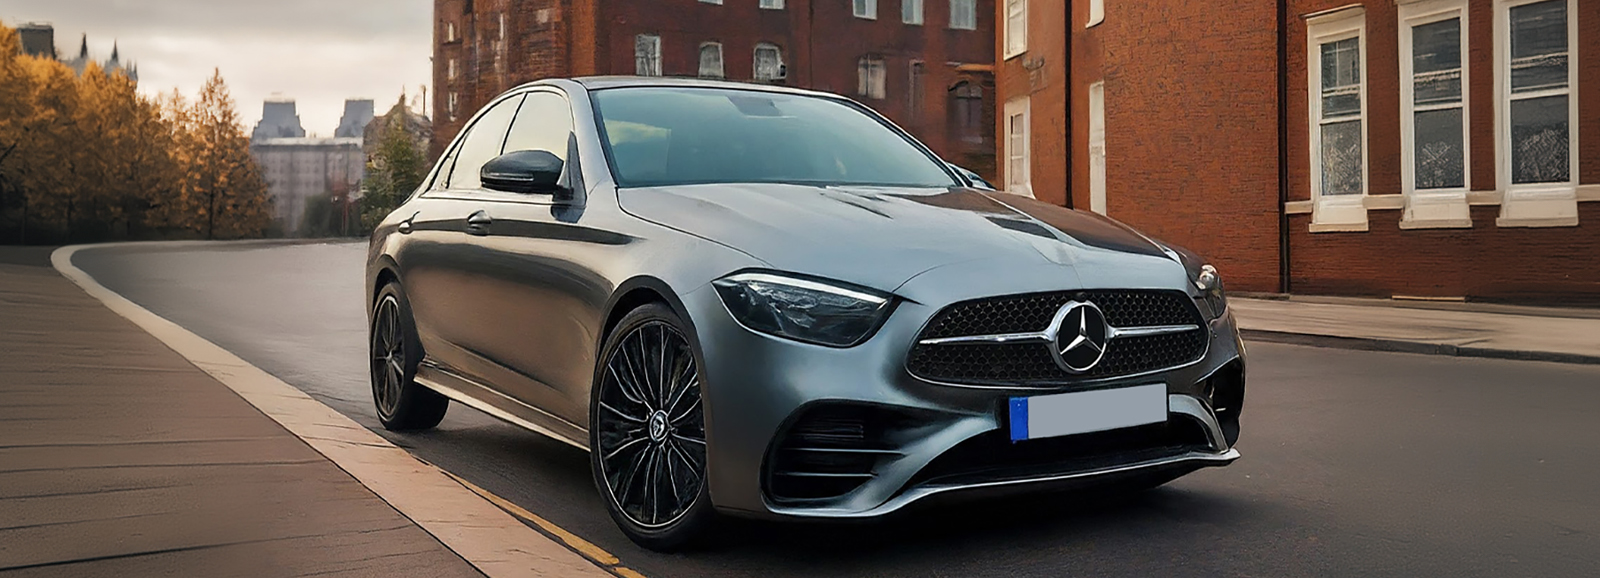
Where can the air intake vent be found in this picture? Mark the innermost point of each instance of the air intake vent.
(832, 449)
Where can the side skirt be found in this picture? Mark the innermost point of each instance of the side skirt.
(480, 397)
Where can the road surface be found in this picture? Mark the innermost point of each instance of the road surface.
(1355, 463)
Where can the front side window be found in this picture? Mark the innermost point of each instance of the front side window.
(647, 55)
(865, 9)
(1437, 117)
(911, 11)
(482, 143)
(1339, 124)
(1016, 27)
(870, 74)
(542, 124)
(768, 62)
(964, 14)
(711, 60)
(1539, 93)
(661, 136)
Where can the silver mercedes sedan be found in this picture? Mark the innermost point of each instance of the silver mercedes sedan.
(759, 301)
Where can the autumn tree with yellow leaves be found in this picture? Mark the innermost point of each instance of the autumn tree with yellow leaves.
(89, 158)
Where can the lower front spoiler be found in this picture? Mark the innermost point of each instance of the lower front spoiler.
(1161, 469)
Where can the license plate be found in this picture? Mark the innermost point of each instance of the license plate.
(1087, 411)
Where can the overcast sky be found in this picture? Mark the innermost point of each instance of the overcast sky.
(318, 52)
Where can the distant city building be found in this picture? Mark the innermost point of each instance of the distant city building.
(278, 120)
(299, 169)
(39, 39)
(357, 113)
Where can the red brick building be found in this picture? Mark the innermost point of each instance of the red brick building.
(1439, 148)
(927, 64)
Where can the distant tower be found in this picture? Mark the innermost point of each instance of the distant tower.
(38, 39)
(278, 120)
(357, 113)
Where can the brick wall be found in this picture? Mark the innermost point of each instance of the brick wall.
(1191, 139)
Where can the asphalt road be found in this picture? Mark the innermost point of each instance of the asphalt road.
(1355, 463)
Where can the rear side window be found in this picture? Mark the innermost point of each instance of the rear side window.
(482, 144)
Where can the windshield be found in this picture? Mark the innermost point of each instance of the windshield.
(674, 136)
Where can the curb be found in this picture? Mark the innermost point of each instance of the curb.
(1391, 345)
(472, 526)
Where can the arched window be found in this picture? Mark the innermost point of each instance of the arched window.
(711, 60)
(966, 111)
(769, 62)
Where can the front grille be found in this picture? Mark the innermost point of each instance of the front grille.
(993, 456)
(1031, 363)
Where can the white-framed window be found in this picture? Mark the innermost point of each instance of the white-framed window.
(870, 75)
(449, 32)
(1097, 12)
(865, 9)
(1536, 111)
(1097, 147)
(502, 26)
(911, 12)
(1433, 113)
(771, 4)
(711, 60)
(964, 14)
(454, 105)
(1336, 50)
(914, 90)
(768, 62)
(647, 55)
(1016, 28)
(1019, 161)
(450, 69)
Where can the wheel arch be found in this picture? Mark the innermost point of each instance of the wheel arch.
(635, 293)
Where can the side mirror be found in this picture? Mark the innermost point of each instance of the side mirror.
(523, 172)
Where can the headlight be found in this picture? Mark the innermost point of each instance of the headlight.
(1212, 297)
(802, 309)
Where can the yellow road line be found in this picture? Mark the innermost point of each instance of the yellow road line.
(583, 547)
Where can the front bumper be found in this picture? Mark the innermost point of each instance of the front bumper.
(757, 386)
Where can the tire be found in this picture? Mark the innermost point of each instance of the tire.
(648, 449)
(394, 352)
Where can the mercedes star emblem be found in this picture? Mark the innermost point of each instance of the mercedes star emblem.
(1081, 336)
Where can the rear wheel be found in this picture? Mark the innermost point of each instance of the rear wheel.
(647, 431)
(395, 352)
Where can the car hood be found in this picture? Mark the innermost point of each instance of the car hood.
(880, 237)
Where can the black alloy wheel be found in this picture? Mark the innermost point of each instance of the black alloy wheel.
(402, 404)
(648, 434)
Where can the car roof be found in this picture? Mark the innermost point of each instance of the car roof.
(604, 82)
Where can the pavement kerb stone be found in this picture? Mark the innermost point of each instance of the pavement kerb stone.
(1374, 344)
(483, 534)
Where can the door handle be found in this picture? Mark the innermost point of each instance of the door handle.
(405, 226)
(478, 223)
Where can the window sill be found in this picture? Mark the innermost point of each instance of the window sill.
(1339, 227)
(1436, 224)
(1537, 223)
(1298, 207)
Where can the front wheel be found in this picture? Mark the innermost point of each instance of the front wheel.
(395, 352)
(647, 431)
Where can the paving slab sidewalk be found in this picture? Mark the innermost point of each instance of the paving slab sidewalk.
(120, 458)
(1571, 336)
